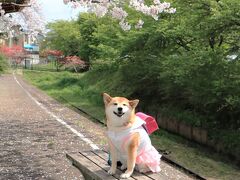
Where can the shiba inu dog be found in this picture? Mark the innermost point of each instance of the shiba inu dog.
(128, 141)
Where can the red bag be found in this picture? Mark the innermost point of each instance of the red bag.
(151, 123)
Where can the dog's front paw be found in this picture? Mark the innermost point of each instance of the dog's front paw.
(126, 175)
(112, 171)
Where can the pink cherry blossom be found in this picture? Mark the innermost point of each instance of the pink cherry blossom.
(119, 13)
(125, 26)
(30, 19)
(100, 10)
(115, 8)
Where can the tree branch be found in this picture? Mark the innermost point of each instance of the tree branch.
(20, 5)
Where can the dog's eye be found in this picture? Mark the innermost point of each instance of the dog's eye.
(124, 104)
(115, 104)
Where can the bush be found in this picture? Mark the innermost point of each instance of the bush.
(229, 140)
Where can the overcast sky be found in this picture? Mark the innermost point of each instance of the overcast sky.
(56, 9)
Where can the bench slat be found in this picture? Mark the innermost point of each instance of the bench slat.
(159, 176)
(154, 176)
(102, 162)
(93, 165)
(136, 175)
(89, 169)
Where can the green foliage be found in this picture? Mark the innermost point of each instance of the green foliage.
(87, 26)
(228, 139)
(182, 62)
(63, 36)
(3, 64)
(108, 46)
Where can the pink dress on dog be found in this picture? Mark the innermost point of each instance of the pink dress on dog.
(147, 155)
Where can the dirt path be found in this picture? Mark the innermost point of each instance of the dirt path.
(36, 132)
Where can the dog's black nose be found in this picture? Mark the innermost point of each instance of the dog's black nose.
(120, 108)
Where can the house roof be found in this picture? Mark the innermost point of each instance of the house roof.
(11, 6)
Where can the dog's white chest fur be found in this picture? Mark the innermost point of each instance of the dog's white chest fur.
(120, 139)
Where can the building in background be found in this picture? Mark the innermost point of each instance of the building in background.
(16, 36)
(28, 42)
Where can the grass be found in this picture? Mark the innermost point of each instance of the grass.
(195, 157)
(3, 64)
(69, 86)
(46, 67)
(83, 90)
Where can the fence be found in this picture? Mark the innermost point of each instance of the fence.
(196, 134)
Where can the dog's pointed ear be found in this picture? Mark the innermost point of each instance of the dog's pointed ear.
(106, 98)
(134, 103)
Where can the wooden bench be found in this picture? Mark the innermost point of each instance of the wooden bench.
(93, 165)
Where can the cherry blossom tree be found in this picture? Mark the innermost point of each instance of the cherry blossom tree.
(69, 61)
(55, 53)
(28, 18)
(15, 54)
(75, 62)
(115, 8)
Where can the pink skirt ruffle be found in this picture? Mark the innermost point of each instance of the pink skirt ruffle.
(151, 158)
